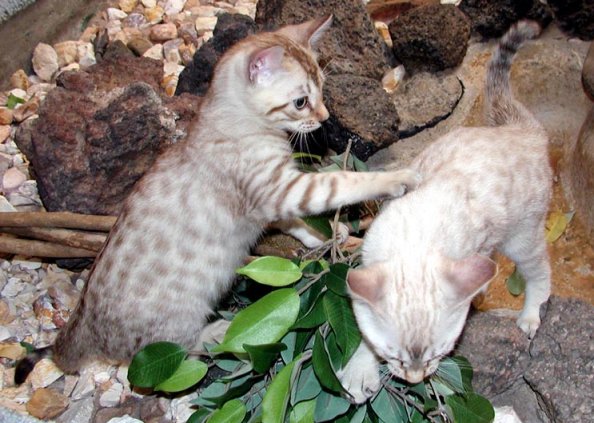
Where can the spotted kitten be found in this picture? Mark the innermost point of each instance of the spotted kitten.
(427, 254)
(193, 217)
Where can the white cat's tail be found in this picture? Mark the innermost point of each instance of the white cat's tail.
(501, 108)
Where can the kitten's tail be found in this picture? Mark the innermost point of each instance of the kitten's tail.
(26, 365)
(501, 108)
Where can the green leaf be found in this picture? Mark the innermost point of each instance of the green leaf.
(155, 363)
(335, 280)
(471, 408)
(307, 386)
(299, 155)
(359, 415)
(187, 374)
(199, 416)
(274, 405)
(450, 372)
(323, 367)
(320, 224)
(29, 348)
(556, 224)
(516, 284)
(314, 317)
(273, 271)
(13, 101)
(359, 165)
(329, 406)
(332, 168)
(264, 355)
(264, 322)
(388, 408)
(232, 412)
(289, 353)
(303, 412)
(342, 320)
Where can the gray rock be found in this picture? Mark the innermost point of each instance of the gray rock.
(430, 38)
(78, 411)
(350, 46)
(441, 94)
(588, 73)
(547, 380)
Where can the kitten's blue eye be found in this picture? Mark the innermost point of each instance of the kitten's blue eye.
(300, 103)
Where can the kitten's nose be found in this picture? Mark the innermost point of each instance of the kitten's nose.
(322, 113)
(414, 376)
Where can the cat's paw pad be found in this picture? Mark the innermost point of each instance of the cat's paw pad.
(529, 324)
(360, 383)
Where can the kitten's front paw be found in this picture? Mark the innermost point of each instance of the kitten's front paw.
(405, 180)
(361, 382)
(529, 323)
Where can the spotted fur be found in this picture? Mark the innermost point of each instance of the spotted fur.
(426, 255)
(192, 219)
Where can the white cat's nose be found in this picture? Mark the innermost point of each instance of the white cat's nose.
(414, 376)
(322, 113)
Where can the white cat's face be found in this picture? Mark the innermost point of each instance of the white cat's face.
(410, 317)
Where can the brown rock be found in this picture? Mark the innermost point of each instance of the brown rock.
(139, 45)
(581, 174)
(6, 116)
(588, 73)
(5, 315)
(46, 404)
(163, 32)
(45, 61)
(20, 80)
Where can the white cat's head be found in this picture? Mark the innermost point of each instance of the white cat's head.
(283, 80)
(412, 315)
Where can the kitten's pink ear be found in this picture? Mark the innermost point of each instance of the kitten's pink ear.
(469, 275)
(308, 33)
(264, 63)
(368, 283)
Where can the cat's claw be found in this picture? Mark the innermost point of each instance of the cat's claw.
(528, 324)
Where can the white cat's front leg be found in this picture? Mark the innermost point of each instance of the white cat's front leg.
(360, 377)
(308, 236)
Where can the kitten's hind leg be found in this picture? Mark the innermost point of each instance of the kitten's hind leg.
(360, 377)
(528, 250)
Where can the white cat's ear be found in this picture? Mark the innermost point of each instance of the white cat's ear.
(308, 33)
(368, 283)
(470, 274)
(265, 63)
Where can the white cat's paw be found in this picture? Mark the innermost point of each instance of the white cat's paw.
(405, 180)
(342, 232)
(529, 323)
(361, 382)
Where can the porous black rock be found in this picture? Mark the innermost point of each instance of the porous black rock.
(230, 29)
(430, 38)
(574, 17)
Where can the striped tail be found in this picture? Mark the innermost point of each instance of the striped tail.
(501, 108)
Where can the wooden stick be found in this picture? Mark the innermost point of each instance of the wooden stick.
(57, 220)
(78, 239)
(41, 249)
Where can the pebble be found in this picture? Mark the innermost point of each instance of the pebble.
(78, 411)
(154, 15)
(26, 110)
(111, 397)
(12, 351)
(114, 13)
(13, 287)
(163, 32)
(392, 79)
(173, 7)
(4, 132)
(46, 404)
(155, 52)
(135, 20)
(13, 179)
(6, 116)
(127, 5)
(67, 52)
(171, 50)
(139, 45)
(86, 55)
(205, 24)
(149, 3)
(19, 80)
(45, 61)
(124, 419)
(44, 374)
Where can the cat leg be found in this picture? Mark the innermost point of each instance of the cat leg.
(213, 333)
(307, 235)
(529, 251)
(360, 377)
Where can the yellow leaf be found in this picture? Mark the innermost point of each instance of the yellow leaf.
(556, 224)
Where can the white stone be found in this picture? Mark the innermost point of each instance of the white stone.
(45, 61)
(70, 382)
(122, 375)
(170, 68)
(4, 333)
(111, 397)
(13, 179)
(115, 14)
(205, 24)
(155, 52)
(506, 415)
(181, 409)
(78, 411)
(149, 3)
(86, 55)
(5, 206)
(27, 264)
(124, 419)
(20, 93)
(173, 7)
(44, 374)
(13, 287)
(67, 52)
(84, 387)
(207, 11)
(5, 131)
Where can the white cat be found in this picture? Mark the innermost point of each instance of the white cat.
(426, 255)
